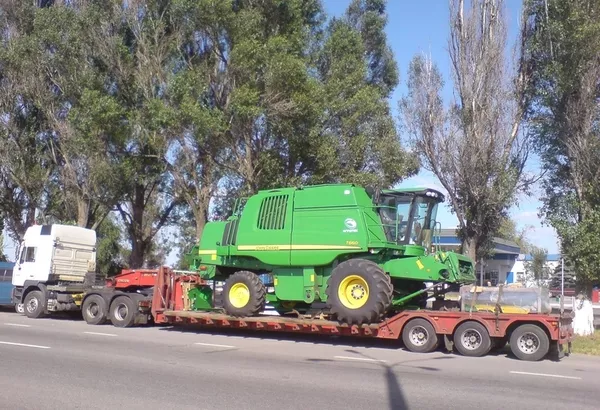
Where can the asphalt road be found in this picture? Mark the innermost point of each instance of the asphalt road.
(60, 364)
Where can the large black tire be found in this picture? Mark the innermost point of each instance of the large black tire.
(34, 304)
(94, 310)
(419, 336)
(529, 342)
(359, 292)
(244, 294)
(472, 339)
(122, 311)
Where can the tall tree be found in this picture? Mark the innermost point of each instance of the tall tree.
(537, 267)
(139, 49)
(369, 18)
(474, 147)
(26, 166)
(357, 139)
(565, 118)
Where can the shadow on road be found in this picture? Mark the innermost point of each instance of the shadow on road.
(396, 397)
(317, 339)
(74, 315)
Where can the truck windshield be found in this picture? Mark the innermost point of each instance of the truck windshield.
(414, 217)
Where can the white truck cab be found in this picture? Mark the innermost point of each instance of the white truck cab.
(55, 263)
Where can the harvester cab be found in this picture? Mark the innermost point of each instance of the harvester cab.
(409, 216)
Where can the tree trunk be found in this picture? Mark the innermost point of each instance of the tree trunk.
(83, 212)
(136, 230)
(469, 248)
(29, 220)
(201, 207)
(138, 252)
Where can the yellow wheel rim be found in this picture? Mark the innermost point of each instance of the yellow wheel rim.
(239, 295)
(353, 292)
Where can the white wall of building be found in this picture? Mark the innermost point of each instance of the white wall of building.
(519, 268)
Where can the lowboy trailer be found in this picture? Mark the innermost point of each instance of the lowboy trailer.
(532, 337)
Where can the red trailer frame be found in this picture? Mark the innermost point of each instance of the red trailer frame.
(168, 308)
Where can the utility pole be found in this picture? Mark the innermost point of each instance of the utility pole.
(562, 277)
(562, 285)
(481, 272)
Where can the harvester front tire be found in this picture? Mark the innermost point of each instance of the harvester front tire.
(244, 294)
(359, 292)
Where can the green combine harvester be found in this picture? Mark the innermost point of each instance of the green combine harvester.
(363, 254)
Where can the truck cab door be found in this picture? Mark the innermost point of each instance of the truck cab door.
(25, 267)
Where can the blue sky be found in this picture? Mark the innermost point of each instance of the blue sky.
(422, 27)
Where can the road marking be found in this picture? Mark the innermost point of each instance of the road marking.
(215, 345)
(546, 375)
(17, 324)
(24, 345)
(364, 359)
(99, 334)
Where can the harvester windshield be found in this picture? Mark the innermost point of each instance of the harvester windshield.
(409, 217)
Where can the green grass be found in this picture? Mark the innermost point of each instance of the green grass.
(589, 345)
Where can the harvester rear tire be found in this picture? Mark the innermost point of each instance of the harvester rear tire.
(379, 292)
(253, 293)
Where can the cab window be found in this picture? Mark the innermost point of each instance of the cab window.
(28, 255)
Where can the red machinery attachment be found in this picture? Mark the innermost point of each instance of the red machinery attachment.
(145, 278)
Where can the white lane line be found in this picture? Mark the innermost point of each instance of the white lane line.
(100, 334)
(24, 345)
(17, 324)
(546, 375)
(364, 359)
(214, 345)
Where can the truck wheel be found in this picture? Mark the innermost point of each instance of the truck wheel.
(34, 305)
(529, 342)
(419, 336)
(358, 292)
(472, 339)
(122, 311)
(244, 294)
(19, 308)
(93, 310)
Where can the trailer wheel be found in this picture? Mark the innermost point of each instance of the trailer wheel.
(359, 292)
(244, 294)
(419, 336)
(122, 311)
(529, 342)
(93, 310)
(472, 339)
(34, 305)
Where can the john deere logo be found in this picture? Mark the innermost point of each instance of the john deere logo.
(350, 225)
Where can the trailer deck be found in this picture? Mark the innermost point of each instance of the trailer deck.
(419, 330)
